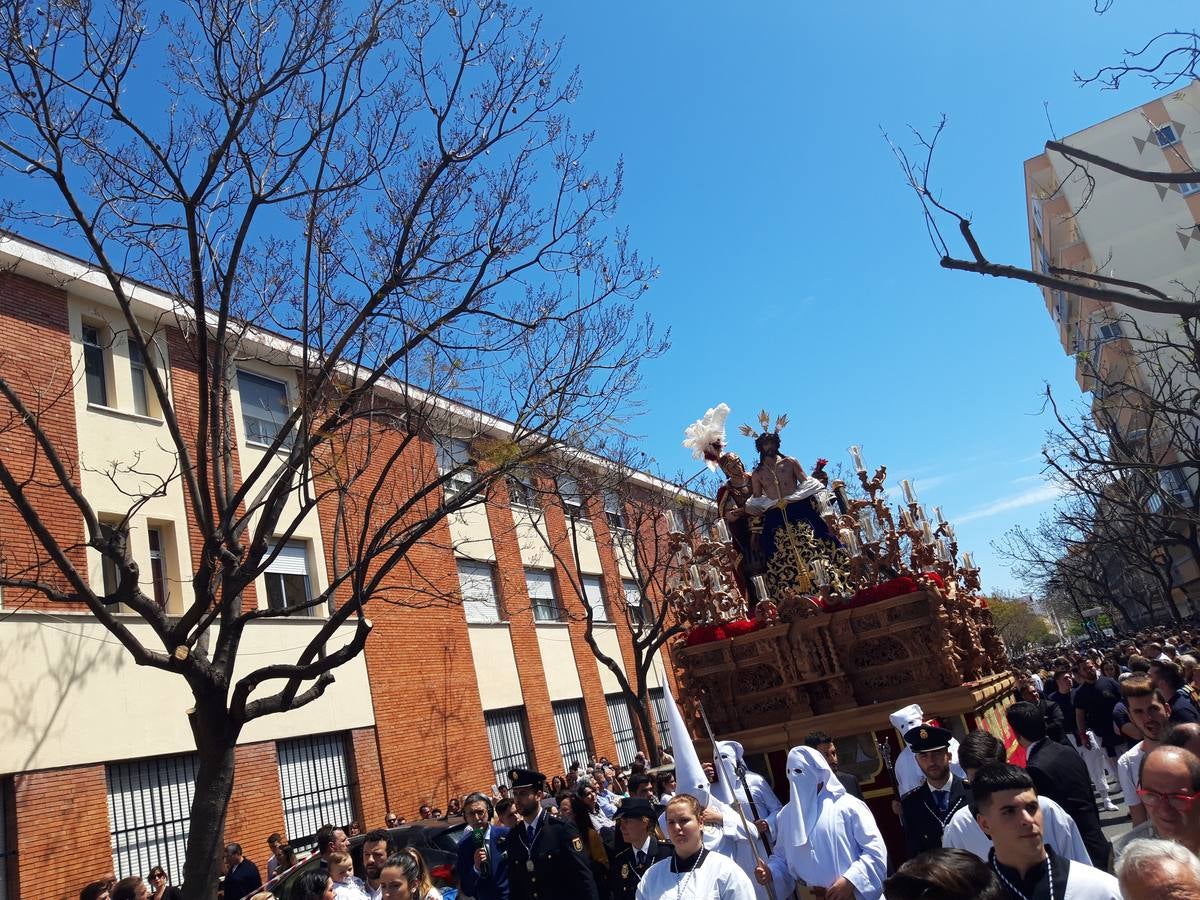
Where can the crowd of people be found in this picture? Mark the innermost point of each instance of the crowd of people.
(1091, 725)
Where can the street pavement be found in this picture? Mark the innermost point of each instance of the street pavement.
(1117, 823)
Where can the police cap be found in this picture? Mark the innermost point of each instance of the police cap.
(926, 737)
(526, 778)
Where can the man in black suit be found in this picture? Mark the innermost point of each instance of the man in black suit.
(242, 877)
(546, 858)
(1059, 773)
(928, 807)
(823, 744)
(637, 849)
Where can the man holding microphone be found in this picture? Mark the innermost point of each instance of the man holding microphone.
(482, 868)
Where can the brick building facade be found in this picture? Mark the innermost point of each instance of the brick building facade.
(94, 771)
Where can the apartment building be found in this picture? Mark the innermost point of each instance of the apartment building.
(97, 759)
(1095, 220)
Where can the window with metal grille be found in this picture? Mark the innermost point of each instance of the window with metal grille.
(8, 844)
(506, 738)
(540, 584)
(478, 587)
(622, 728)
(572, 732)
(659, 703)
(315, 786)
(149, 808)
(593, 596)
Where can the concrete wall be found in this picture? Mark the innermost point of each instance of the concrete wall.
(71, 696)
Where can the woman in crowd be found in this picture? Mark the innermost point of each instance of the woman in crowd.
(160, 885)
(558, 784)
(692, 871)
(314, 885)
(664, 786)
(400, 878)
(424, 880)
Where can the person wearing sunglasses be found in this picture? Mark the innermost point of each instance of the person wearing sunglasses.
(1169, 788)
(160, 885)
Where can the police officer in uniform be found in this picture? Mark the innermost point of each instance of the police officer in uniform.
(929, 807)
(546, 859)
(637, 849)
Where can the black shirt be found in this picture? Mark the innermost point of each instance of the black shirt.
(1097, 700)
(1037, 883)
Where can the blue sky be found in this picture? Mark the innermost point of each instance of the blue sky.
(796, 273)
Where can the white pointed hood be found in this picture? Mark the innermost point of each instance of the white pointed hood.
(813, 788)
(689, 774)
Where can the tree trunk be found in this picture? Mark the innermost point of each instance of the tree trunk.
(216, 742)
(647, 732)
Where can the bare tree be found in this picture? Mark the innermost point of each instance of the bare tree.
(384, 197)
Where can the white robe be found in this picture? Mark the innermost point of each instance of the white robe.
(766, 803)
(731, 841)
(1058, 830)
(718, 878)
(909, 775)
(846, 843)
(1087, 883)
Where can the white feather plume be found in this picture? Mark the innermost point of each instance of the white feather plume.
(707, 435)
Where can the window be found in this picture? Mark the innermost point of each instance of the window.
(541, 594)
(95, 366)
(614, 510)
(675, 521)
(622, 728)
(141, 384)
(523, 490)
(158, 567)
(478, 589)
(1164, 135)
(506, 738)
(264, 408)
(1061, 307)
(572, 732)
(452, 454)
(149, 807)
(287, 576)
(314, 785)
(633, 600)
(1175, 483)
(1043, 260)
(1036, 206)
(593, 596)
(1109, 331)
(108, 568)
(661, 724)
(572, 497)
(1189, 187)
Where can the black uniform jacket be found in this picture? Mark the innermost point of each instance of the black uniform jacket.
(1059, 773)
(923, 824)
(624, 872)
(559, 869)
